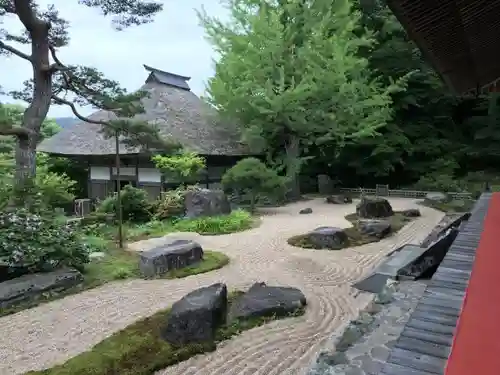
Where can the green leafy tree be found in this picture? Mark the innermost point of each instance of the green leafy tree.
(182, 167)
(291, 74)
(422, 129)
(251, 178)
(45, 32)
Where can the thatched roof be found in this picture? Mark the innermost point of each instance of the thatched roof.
(172, 107)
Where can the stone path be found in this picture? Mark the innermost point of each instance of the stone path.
(367, 354)
(51, 333)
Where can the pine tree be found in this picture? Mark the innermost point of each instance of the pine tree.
(45, 32)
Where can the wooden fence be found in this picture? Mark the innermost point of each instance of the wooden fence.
(384, 191)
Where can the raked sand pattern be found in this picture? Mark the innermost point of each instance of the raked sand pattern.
(51, 333)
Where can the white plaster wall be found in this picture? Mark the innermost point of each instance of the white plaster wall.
(99, 173)
(125, 171)
(149, 175)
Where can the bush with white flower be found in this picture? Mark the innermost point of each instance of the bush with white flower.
(40, 243)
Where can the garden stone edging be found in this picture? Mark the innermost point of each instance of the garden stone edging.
(362, 346)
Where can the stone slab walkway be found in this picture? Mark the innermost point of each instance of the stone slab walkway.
(367, 355)
(51, 333)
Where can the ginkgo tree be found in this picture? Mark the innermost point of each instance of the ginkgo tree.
(43, 33)
(291, 74)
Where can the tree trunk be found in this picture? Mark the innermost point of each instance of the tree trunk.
(39, 106)
(292, 164)
(25, 163)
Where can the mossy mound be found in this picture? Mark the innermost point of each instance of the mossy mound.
(354, 236)
(139, 349)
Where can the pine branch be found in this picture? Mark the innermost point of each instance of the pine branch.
(79, 116)
(15, 51)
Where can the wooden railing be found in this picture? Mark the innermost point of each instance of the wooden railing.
(401, 193)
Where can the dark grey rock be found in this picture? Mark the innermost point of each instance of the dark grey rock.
(374, 207)
(306, 211)
(31, 287)
(338, 199)
(262, 300)
(431, 258)
(411, 212)
(375, 228)
(206, 202)
(175, 255)
(328, 238)
(196, 316)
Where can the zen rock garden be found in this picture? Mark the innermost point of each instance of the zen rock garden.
(197, 316)
(374, 220)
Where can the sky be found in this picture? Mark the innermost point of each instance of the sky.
(174, 42)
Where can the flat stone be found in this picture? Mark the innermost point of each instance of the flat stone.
(306, 211)
(196, 317)
(380, 353)
(31, 287)
(174, 255)
(374, 283)
(328, 238)
(262, 300)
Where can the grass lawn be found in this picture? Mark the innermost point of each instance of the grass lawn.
(139, 350)
(120, 265)
(355, 237)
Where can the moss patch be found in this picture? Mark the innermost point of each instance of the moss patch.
(355, 237)
(120, 265)
(139, 350)
(453, 206)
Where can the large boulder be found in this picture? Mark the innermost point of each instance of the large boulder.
(338, 199)
(31, 287)
(375, 228)
(196, 316)
(206, 202)
(328, 238)
(374, 207)
(263, 301)
(173, 255)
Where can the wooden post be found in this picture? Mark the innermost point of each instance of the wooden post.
(118, 191)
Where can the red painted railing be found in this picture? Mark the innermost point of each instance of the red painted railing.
(476, 345)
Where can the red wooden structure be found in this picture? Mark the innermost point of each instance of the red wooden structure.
(460, 39)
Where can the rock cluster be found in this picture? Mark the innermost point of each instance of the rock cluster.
(196, 317)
